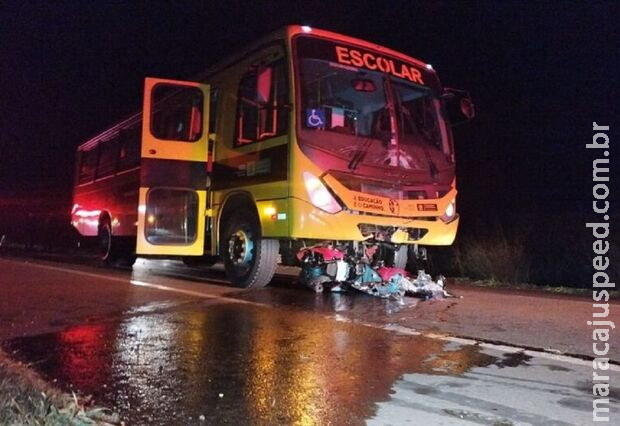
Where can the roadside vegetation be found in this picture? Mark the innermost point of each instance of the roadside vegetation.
(26, 399)
(541, 251)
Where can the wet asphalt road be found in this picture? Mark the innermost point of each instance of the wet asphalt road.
(164, 345)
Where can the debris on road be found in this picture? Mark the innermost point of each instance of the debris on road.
(395, 283)
(328, 267)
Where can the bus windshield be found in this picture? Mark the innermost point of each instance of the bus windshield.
(373, 116)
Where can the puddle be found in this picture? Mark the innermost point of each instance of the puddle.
(241, 363)
(515, 359)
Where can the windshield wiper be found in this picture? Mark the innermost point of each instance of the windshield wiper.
(390, 106)
(433, 170)
(360, 154)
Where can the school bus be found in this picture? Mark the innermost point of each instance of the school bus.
(305, 137)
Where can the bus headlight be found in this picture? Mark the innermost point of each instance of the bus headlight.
(450, 212)
(319, 195)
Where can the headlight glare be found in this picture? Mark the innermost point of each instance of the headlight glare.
(450, 212)
(319, 195)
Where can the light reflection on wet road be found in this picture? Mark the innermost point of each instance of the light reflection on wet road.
(170, 363)
(238, 363)
(293, 357)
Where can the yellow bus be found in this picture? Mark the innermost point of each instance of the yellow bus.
(306, 138)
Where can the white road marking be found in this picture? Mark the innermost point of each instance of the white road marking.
(337, 317)
(543, 354)
(144, 284)
(197, 293)
(74, 271)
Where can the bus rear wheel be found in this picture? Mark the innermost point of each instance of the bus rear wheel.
(114, 250)
(249, 260)
(107, 252)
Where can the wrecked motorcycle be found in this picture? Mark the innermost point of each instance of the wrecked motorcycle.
(338, 268)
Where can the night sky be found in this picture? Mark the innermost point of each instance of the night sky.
(539, 73)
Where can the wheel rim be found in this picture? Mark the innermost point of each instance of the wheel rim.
(240, 249)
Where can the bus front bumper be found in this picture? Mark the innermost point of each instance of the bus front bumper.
(309, 222)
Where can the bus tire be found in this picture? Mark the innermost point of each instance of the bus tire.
(249, 260)
(106, 243)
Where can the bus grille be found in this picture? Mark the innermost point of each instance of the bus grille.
(384, 233)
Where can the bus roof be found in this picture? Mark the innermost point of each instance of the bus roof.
(298, 29)
(285, 33)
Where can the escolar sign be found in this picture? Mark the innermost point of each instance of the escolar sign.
(359, 57)
(371, 61)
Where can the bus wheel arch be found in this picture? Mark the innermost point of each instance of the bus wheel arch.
(235, 201)
(249, 260)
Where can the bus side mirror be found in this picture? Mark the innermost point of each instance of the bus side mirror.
(263, 84)
(458, 106)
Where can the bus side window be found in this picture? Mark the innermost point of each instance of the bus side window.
(213, 96)
(281, 96)
(88, 164)
(129, 151)
(262, 104)
(176, 113)
(213, 110)
(108, 157)
(247, 111)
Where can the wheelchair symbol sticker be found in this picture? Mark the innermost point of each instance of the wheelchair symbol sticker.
(315, 118)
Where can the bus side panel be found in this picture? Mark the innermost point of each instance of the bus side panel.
(116, 195)
(259, 169)
(272, 205)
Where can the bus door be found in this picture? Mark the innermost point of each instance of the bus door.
(173, 173)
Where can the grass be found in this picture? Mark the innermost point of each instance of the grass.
(552, 252)
(26, 399)
(496, 258)
(555, 289)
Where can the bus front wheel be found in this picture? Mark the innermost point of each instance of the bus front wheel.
(249, 260)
